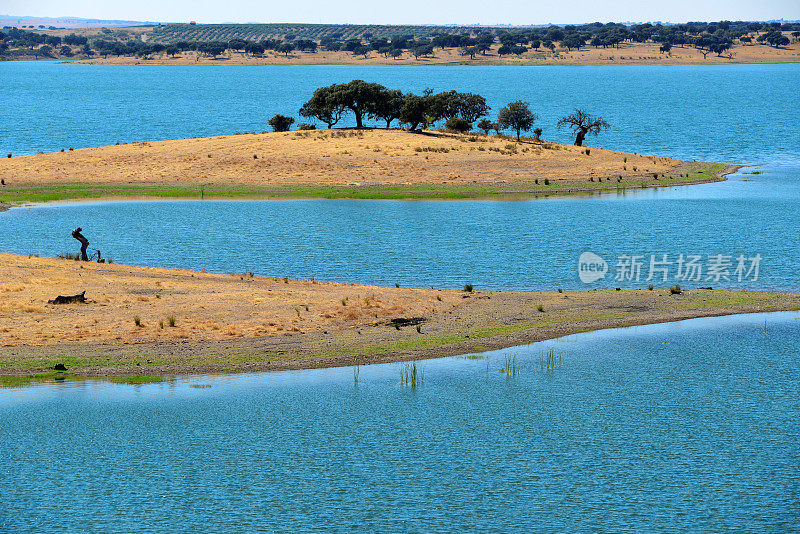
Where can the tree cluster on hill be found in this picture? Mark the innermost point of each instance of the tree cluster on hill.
(374, 101)
(458, 111)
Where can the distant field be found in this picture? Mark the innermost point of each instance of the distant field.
(172, 33)
(279, 43)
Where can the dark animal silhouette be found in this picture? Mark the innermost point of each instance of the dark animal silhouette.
(76, 233)
(80, 297)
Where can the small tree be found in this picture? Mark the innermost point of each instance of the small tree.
(254, 49)
(212, 49)
(537, 133)
(457, 124)
(485, 125)
(414, 111)
(323, 107)
(285, 48)
(516, 116)
(582, 123)
(45, 50)
(281, 123)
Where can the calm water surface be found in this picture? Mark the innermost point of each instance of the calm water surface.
(682, 427)
(690, 426)
(711, 113)
(745, 113)
(498, 245)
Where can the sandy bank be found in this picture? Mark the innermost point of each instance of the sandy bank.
(225, 323)
(340, 163)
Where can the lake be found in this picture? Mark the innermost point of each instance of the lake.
(744, 113)
(675, 427)
(691, 426)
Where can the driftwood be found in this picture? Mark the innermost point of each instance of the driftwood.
(80, 297)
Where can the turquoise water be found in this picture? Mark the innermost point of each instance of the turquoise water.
(745, 113)
(498, 245)
(715, 113)
(690, 426)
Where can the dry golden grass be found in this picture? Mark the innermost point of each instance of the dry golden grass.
(332, 157)
(205, 306)
(242, 323)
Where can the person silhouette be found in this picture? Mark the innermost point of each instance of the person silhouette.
(76, 233)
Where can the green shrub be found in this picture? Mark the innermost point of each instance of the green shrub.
(457, 124)
(281, 123)
(485, 125)
(306, 126)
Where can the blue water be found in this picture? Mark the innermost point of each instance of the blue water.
(713, 113)
(745, 113)
(499, 245)
(691, 426)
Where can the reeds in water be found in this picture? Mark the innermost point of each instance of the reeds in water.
(551, 362)
(511, 368)
(411, 375)
(356, 374)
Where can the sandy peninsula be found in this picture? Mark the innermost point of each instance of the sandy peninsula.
(149, 322)
(345, 163)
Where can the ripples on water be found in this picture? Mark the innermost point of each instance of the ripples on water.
(493, 245)
(687, 426)
(743, 113)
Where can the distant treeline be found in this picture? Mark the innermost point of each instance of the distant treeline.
(393, 41)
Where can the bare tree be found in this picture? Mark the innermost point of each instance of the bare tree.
(582, 123)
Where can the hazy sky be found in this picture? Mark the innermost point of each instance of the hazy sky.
(516, 12)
